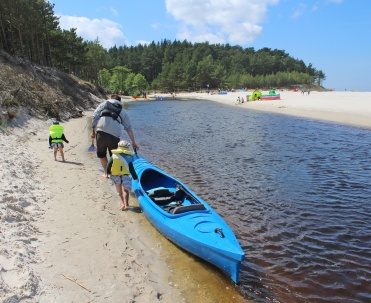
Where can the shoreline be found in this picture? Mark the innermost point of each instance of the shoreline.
(347, 108)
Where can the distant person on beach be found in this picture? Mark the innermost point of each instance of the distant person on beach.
(117, 167)
(56, 138)
(108, 123)
(238, 100)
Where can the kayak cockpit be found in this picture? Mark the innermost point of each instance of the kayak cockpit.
(168, 194)
(174, 202)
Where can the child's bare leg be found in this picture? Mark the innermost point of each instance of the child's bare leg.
(126, 197)
(120, 197)
(62, 153)
(55, 149)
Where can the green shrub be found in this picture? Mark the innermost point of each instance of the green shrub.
(11, 102)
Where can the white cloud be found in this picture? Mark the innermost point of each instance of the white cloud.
(155, 25)
(302, 8)
(219, 21)
(336, 1)
(108, 32)
(299, 11)
(114, 12)
(315, 7)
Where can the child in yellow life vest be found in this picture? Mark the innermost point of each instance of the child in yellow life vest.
(117, 167)
(56, 138)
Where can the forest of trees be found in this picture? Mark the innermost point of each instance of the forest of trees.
(29, 29)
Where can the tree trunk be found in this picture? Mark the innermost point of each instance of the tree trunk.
(3, 38)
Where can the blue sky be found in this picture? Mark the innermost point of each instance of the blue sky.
(333, 35)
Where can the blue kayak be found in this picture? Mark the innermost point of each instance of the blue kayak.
(184, 218)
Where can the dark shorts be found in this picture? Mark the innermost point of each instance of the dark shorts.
(105, 142)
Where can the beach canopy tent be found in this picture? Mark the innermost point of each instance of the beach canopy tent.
(256, 95)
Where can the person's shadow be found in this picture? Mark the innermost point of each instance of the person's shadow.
(73, 163)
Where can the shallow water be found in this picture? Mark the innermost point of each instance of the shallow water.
(295, 191)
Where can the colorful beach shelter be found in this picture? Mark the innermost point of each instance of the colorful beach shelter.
(256, 95)
(272, 92)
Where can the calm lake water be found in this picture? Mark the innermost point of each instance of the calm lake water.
(296, 192)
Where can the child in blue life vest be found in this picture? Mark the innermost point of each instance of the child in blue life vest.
(117, 167)
(56, 138)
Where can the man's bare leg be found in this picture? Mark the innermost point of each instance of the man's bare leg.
(104, 162)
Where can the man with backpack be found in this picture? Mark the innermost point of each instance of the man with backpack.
(109, 121)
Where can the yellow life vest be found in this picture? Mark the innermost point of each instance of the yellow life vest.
(119, 166)
(56, 132)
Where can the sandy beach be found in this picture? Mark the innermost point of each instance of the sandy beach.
(347, 107)
(62, 237)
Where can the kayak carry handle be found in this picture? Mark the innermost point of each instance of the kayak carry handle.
(220, 232)
(132, 171)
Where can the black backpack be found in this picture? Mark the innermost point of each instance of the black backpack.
(112, 110)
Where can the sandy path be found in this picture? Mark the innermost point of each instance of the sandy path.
(62, 237)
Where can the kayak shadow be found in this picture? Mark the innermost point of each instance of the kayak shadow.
(135, 209)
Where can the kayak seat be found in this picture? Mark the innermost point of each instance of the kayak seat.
(161, 196)
(163, 200)
(183, 209)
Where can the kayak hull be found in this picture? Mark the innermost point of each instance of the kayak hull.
(188, 221)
